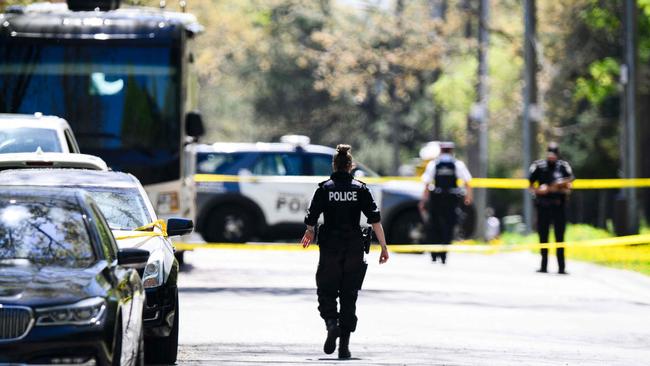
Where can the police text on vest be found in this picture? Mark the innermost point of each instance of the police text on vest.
(343, 196)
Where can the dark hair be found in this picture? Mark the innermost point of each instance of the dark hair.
(343, 159)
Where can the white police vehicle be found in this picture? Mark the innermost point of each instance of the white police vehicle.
(242, 191)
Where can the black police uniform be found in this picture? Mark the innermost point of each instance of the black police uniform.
(552, 206)
(341, 267)
(443, 203)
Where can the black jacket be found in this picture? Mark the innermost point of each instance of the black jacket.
(342, 199)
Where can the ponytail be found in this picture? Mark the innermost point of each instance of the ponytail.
(343, 159)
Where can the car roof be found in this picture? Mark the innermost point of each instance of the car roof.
(36, 120)
(233, 147)
(68, 178)
(51, 159)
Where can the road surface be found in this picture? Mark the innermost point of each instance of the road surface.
(243, 307)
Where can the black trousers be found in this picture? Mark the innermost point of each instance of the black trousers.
(442, 220)
(341, 269)
(547, 214)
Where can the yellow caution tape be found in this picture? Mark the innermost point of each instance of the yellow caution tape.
(417, 248)
(160, 224)
(493, 183)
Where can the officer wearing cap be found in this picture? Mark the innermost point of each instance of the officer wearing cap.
(341, 266)
(554, 178)
(442, 196)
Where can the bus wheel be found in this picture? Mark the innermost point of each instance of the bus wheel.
(407, 228)
(230, 224)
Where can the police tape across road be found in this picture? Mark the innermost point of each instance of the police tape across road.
(492, 183)
(643, 239)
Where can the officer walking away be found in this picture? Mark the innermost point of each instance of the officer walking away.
(554, 178)
(341, 266)
(442, 196)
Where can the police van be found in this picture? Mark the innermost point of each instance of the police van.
(237, 192)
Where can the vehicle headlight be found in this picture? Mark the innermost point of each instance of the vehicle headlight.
(153, 274)
(167, 202)
(84, 312)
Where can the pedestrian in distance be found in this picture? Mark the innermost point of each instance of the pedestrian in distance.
(554, 179)
(341, 265)
(442, 197)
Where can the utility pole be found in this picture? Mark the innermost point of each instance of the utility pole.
(477, 127)
(629, 127)
(531, 110)
(396, 113)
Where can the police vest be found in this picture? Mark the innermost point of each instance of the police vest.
(445, 178)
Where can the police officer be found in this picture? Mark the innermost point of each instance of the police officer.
(341, 266)
(442, 196)
(554, 178)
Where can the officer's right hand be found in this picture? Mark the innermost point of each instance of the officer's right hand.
(307, 238)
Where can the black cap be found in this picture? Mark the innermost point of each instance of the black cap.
(554, 148)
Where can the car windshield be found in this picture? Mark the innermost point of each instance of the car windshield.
(23, 139)
(45, 231)
(122, 101)
(123, 208)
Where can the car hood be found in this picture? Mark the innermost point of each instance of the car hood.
(131, 239)
(31, 285)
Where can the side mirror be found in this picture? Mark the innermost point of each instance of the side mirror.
(194, 125)
(132, 256)
(176, 226)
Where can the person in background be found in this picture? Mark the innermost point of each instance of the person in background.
(554, 179)
(341, 266)
(442, 196)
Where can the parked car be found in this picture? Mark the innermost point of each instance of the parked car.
(125, 205)
(240, 191)
(67, 294)
(24, 133)
(41, 159)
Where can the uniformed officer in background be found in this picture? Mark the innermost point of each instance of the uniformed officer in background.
(554, 178)
(442, 196)
(341, 266)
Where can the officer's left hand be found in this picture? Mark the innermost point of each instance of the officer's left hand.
(307, 238)
(383, 257)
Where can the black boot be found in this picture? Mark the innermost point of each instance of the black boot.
(333, 332)
(344, 345)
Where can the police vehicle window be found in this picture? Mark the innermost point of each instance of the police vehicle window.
(123, 208)
(321, 164)
(18, 140)
(106, 237)
(44, 231)
(219, 163)
(292, 164)
(278, 164)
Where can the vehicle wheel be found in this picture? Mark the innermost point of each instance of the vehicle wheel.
(233, 224)
(117, 344)
(407, 228)
(163, 350)
(139, 361)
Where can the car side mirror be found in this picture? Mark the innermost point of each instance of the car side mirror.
(132, 256)
(177, 226)
(194, 125)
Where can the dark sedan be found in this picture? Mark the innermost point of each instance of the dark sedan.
(66, 296)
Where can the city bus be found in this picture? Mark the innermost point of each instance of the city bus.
(123, 77)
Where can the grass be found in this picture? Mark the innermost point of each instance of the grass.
(635, 258)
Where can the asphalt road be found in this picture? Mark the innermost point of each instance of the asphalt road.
(259, 307)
